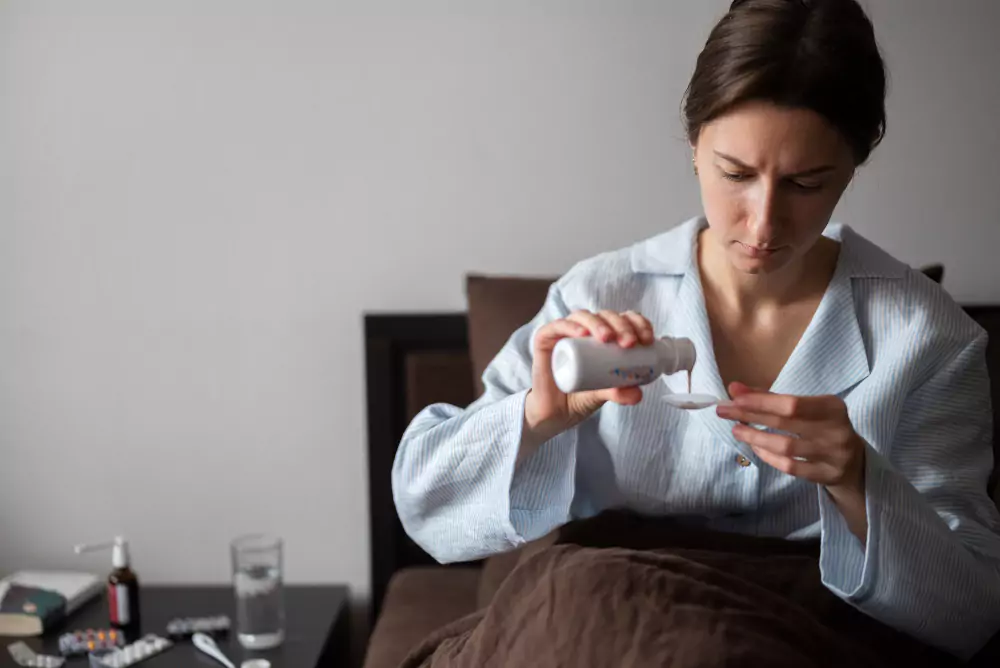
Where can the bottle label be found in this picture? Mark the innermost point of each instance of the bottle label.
(118, 604)
(638, 375)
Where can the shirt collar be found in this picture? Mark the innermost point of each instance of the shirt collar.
(673, 252)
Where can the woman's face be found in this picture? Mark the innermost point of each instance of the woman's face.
(770, 180)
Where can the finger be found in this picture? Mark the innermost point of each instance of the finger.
(731, 411)
(781, 445)
(589, 401)
(550, 334)
(598, 328)
(624, 331)
(818, 472)
(643, 328)
(790, 406)
(737, 388)
(626, 396)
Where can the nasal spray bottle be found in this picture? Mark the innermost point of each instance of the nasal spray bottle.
(123, 587)
(580, 364)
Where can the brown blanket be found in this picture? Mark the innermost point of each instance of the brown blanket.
(622, 590)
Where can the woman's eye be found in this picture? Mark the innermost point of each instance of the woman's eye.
(739, 177)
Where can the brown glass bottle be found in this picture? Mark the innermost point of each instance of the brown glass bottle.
(123, 588)
(123, 602)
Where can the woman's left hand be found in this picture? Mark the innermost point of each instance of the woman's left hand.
(820, 444)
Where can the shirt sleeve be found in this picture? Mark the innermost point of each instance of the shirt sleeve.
(930, 565)
(459, 490)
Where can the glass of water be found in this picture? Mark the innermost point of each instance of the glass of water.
(257, 584)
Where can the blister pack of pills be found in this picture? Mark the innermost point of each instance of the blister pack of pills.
(27, 657)
(130, 654)
(89, 640)
(186, 627)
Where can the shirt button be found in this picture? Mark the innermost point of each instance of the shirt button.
(742, 461)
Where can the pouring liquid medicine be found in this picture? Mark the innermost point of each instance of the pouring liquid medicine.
(587, 364)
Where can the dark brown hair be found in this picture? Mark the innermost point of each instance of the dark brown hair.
(813, 54)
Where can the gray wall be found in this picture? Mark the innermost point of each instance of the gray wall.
(199, 200)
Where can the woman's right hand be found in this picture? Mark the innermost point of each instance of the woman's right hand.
(549, 411)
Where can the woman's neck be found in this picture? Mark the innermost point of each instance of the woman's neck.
(746, 294)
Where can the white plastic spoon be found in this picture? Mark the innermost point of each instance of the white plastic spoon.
(208, 646)
(691, 402)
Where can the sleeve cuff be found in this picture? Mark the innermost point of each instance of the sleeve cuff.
(847, 567)
(542, 485)
(454, 500)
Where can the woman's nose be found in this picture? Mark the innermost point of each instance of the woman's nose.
(764, 212)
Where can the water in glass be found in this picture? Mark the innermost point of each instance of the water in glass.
(257, 584)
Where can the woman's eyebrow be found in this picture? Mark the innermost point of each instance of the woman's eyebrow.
(812, 171)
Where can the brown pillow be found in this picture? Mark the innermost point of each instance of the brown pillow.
(935, 272)
(498, 306)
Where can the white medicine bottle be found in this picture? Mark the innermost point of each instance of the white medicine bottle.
(581, 364)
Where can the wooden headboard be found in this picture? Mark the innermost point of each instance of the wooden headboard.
(411, 362)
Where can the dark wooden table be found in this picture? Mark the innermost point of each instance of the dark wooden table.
(316, 627)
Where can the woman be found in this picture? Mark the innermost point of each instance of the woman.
(870, 381)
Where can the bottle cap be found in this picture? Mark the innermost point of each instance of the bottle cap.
(256, 663)
(684, 354)
(119, 550)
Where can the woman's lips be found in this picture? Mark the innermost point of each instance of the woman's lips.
(757, 252)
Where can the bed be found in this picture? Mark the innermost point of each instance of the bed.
(412, 360)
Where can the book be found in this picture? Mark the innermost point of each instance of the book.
(32, 602)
